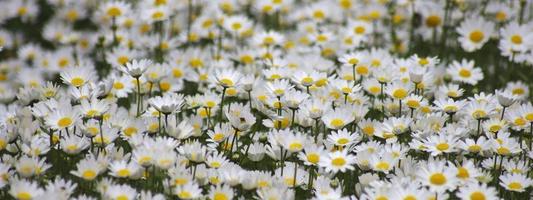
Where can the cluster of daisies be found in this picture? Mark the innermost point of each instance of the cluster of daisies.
(265, 99)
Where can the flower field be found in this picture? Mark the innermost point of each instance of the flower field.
(266, 99)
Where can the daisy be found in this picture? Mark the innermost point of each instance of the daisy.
(293, 142)
(78, 76)
(465, 72)
(397, 90)
(467, 171)
(227, 78)
(136, 68)
(189, 190)
(342, 138)
(337, 119)
(63, 118)
(518, 89)
(506, 98)
(437, 176)
(73, 144)
(441, 144)
(25, 190)
(312, 154)
(338, 161)
(268, 39)
(221, 192)
(450, 90)
(156, 14)
(515, 38)
(121, 192)
(88, 169)
(474, 33)
(383, 163)
(360, 27)
(123, 169)
(480, 145)
(479, 111)
(449, 105)
(278, 87)
(168, 103)
(477, 191)
(115, 9)
(515, 182)
(93, 108)
(237, 24)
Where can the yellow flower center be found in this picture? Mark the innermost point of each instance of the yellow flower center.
(359, 30)
(319, 14)
(443, 146)
(515, 186)
(501, 16)
(423, 61)
(220, 196)
(195, 63)
(72, 15)
(503, 151)
(122, 60)
(465, 73)
(477, 196)
(518, 91)
(123, 172)
(307, 81)
(463, 173)
(337, 123)
(345, 4)
(63, 62)
(218, 137)
(476, 36)
(77, 81)
(184, 195)
(22, 11)
(118, 85)
(382, 198)
(413, 103)
(181, 181)
(89, 174)
(433, 21)
(64, 122)
(399, 93)
(158, 15)
(353, 61)
(478, 114)
(129, 131)
(409, 197)
(295, 146)
(226, 82)
(494, 128)
(313, 158)
(322, 38)
(368, 130)
(343, 141)
(452, 94)
(516, 39)
(215, 164)
(361, 70)
(122, 197)
(114, 11)
(474, 148)
(236, 26)
(384, 166)
(338, 162)
(247, 59)
(24, 196)
(437, 179)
